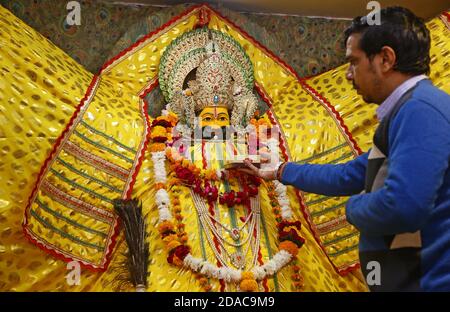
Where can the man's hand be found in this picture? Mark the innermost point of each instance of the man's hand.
(266, 174)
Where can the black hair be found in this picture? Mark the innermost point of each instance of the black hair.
(401, 30)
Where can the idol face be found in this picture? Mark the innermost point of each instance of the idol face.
(364, 72)
(213, 122)
(214, 117)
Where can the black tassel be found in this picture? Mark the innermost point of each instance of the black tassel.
(136, 261)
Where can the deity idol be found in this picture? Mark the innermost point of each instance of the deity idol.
(231, 231)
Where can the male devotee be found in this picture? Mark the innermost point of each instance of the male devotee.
(401, 187)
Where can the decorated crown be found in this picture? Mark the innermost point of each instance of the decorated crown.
(203, 68)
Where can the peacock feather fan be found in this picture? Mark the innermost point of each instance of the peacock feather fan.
(134, 269)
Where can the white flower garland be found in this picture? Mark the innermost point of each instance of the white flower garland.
(283, 200)
(279, 260)
(280, 189)
(162, 197)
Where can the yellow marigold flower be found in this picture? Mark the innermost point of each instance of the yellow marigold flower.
(262, 122)
(185, 163)
(247, 275)
(170, 238)
(249, 285)
(172, 118)
(158, 131)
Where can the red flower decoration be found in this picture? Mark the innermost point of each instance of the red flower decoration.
(227, 198)
(198, 187)
(182, 251)
(160, 139)
(211, 192)
(185, 174)
(285, 223)
(292, 236)
(252, 190)
(161, 122)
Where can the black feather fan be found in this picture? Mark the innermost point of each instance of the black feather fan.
(137, 256)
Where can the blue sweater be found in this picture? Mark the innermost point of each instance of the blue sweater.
(416, 192)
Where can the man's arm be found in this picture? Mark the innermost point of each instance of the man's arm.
(331, 180)
(418, 159)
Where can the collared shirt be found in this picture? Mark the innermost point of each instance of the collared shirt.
(390, 101)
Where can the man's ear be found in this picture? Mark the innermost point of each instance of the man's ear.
(388, 58)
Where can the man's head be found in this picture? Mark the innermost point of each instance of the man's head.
(383, 56)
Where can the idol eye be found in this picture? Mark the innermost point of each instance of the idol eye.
(223, 118)
(207, 119)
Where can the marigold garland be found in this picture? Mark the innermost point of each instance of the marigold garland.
(176, 238)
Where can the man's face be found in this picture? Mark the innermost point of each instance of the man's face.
(363, 72)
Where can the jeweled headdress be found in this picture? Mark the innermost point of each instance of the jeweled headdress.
(203, 68)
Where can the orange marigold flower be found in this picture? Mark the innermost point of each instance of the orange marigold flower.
(157, 147)
(247, 275)
(289, 247)
(203, 281)
(249, 285)
(191, 167)
(296, 277)
(172, 118)
(196, 171)
(211, 175)
(177, 261)
(179, 217)
(165, 226)
(176, 201)
(173, 244)
(296, 268)
(184, 238)
(160, 186)
(170, 238)
(298, 284)
(185, 163)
